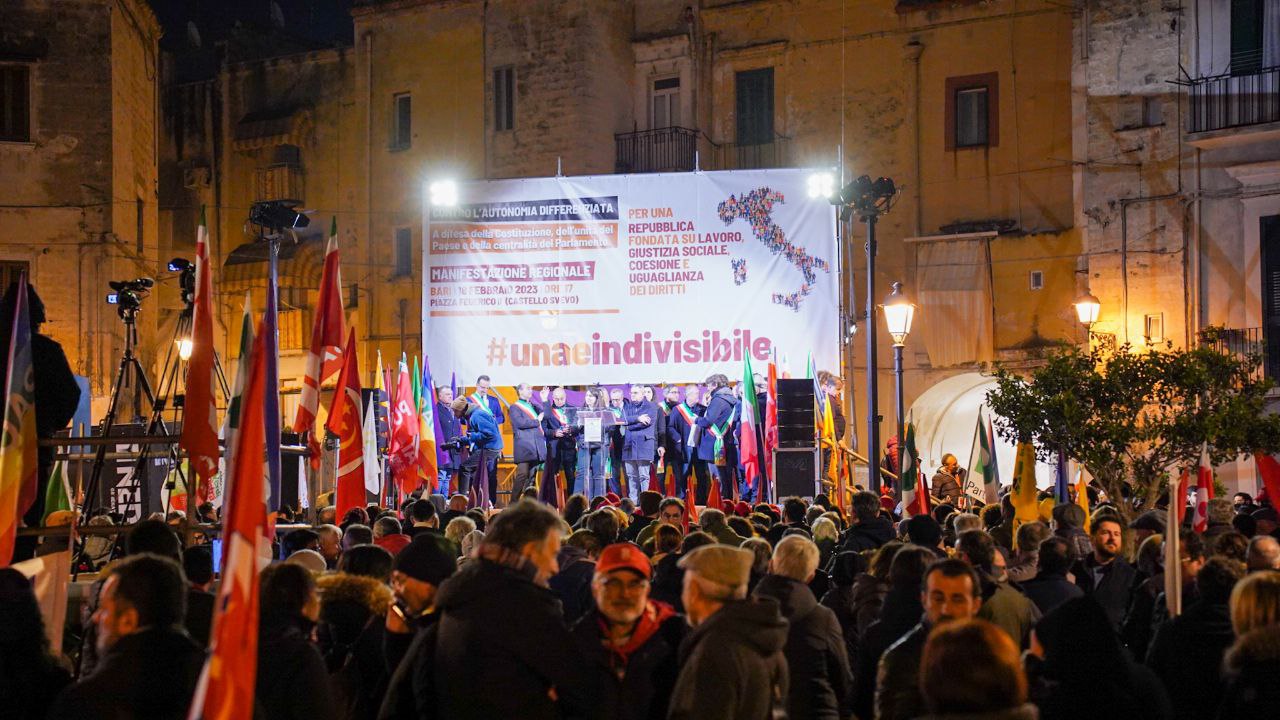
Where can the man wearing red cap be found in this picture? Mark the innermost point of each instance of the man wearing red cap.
(630, 642)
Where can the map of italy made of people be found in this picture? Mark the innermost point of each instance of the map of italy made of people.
(755, 207)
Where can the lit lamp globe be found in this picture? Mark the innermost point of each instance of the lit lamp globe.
(898, 314)
(1087, 307)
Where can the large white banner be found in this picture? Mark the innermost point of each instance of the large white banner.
(629, 278)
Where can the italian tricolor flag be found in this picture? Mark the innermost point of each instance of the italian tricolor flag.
(915, 499)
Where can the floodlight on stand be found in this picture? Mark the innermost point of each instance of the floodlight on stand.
(185, 347)
(443, 193)
(822, 185)
(1087, 307)
(898, 314)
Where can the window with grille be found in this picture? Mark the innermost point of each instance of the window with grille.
(754, 106)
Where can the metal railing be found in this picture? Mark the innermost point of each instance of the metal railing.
(1248, 343)
(755, 156)
(669, 149)
(1228, 101)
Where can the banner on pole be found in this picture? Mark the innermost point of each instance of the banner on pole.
(629, 278)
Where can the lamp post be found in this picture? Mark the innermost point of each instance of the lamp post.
(869, 199)
(898, 314)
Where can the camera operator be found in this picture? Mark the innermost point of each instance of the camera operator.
(56, 398)
(483, 437)
(561, 454)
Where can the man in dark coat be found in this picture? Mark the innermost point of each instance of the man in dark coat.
(1050, 587)
(818, 665)
(484, 398)
(683, 418)
(409, 638)
(1105, 575)
(450, 427)
(672, 442)
(900, 613)
(716, 425)
(1186, 653)
(530, 448)
(502, 649)
(952, 591)
(629, 641)
(560, 453)
(869, 530)
(731, 665)
(56, 398)
(148, 666)
(639, 442)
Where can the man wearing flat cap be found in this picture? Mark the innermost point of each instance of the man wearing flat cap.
(417, 574)
(629, 641)
(731, 664)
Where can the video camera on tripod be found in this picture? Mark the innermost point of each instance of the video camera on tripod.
(128, 294)
(186, 278)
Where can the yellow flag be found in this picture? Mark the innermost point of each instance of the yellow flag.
(1024, 487)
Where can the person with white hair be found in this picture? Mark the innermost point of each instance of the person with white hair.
(818, 663)
(1263, 554)
(733, 662)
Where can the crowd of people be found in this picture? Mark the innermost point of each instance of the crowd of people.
(609, 609)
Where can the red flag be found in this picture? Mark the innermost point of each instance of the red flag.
(226, 687)
(200, 418)
(402, 454)
(345, 422)
(713, 495)
(1179, 496)
(325, 354)
(771, 420)
(1204, 490)
(18, 461)
(1269, 473)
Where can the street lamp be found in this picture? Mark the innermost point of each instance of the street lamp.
(898, 314)
(1087, 307)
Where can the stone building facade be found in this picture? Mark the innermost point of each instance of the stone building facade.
(78, 168)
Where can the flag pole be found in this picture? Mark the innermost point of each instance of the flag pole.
(968, 468)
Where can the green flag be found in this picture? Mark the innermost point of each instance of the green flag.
(57, 496)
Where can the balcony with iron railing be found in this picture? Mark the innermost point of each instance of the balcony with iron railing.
(1233, 100)
(669, 149)
(1248, 343)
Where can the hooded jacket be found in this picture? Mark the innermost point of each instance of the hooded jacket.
(1251, 667)
(350, 637)
(732, 665)
(502, 645)
(819, 675)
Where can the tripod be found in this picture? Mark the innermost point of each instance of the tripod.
(129, 364)
(172, 368)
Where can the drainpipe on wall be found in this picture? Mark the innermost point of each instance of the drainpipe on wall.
(368, 176)
(911, 52)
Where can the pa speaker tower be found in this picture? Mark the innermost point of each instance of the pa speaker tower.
(795, 414)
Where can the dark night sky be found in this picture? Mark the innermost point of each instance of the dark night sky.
(315, 22)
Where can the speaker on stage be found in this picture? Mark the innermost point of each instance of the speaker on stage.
(796, 472)
(795, 413)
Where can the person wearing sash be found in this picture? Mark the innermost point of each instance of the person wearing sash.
(617, 434)
(672, 443)
(485, 399)
(715, 441)
(530, 444)
(450, 427)
(558, 434)
(482, 436)
(694, 465)
(591, 453)
(639, 443)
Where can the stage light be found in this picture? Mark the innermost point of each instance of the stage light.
(822, 185)
(184, 348)
(443, 193)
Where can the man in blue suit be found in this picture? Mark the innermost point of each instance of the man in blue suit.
(484, 399)
(639, 441)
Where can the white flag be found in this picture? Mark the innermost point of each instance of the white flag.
(372, 481)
